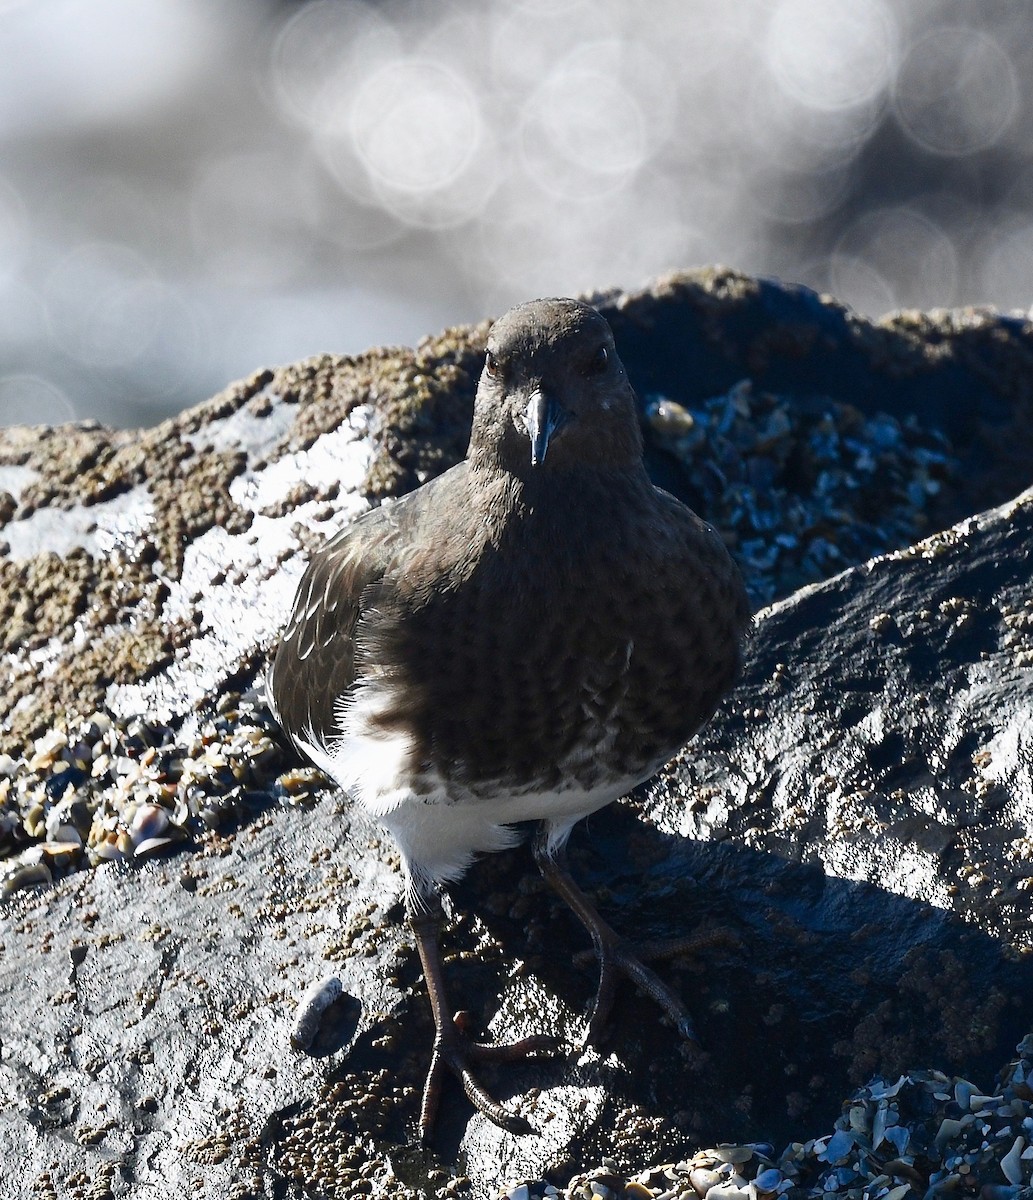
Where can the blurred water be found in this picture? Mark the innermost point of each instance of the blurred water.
(190, 189)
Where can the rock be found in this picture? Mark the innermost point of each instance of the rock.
(851, 832)
(139, 564)
(869, 787)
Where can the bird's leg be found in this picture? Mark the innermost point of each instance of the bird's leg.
(453, 1050)
(614, 955)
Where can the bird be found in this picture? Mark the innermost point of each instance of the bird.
(524, 638)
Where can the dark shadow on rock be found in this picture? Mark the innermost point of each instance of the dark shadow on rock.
(822, 983)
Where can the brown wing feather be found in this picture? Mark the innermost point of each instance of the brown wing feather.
(314, 664)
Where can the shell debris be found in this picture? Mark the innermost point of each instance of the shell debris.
(921, 1136)
(802, 488)
(96, 789)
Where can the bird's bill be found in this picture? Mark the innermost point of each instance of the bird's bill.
(543, 416)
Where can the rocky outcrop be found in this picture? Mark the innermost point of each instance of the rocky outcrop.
(851, 834)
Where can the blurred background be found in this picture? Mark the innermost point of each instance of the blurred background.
(191, 189)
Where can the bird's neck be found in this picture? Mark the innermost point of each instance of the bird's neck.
(573, 495)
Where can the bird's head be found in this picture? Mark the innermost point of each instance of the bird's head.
(553, 395)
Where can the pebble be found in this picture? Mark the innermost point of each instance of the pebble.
(768, 1180)
(317, 999)
(725, 1191)
(703, 1179)
(25, 874)
(1011, 1164)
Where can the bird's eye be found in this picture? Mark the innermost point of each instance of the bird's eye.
(491, 365)
(598, 362)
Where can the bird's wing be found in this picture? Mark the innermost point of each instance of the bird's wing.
(314, 664)
(718, 581)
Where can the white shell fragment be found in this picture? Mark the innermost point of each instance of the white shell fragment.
(150, 821)
(726, 1191)
(152, 845)
(1011, 1164)
(317, 999)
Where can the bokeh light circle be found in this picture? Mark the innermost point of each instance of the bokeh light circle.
(956, 92)
(32, 400)
(320, 51)
(895, 257)
(830, 54)
(416, 126)
(1006, 267)
(106, 301)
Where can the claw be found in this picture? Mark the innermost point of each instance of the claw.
(454, 1053)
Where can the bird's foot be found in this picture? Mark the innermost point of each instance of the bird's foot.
(455, 1053)
(615, 955)
(616, 958)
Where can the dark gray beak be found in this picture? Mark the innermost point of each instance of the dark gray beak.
(543, 416)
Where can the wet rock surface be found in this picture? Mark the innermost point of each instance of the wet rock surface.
(851, 835)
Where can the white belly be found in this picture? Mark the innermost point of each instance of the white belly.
(439, 837)
(440, 827)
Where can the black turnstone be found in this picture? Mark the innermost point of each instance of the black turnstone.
(525, 638)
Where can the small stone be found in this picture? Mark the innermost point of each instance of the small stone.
(316, 1000)
(726, 1191)
(703, 1179)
